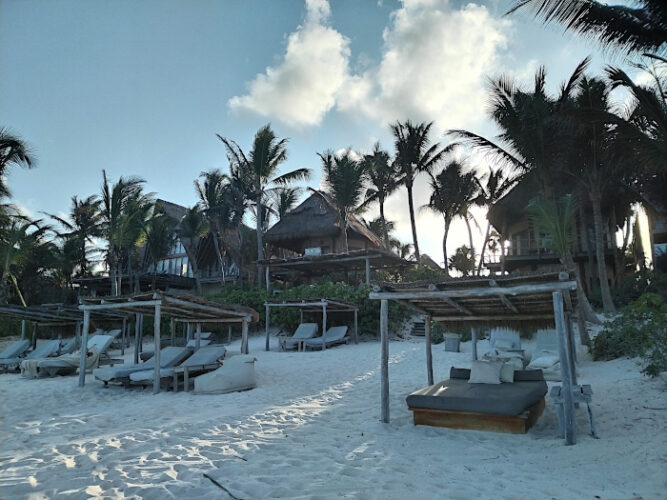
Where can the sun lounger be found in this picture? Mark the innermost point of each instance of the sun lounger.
(455, 403)
(15, 350)
(335, 335)
(43, 350)
(505, 344)
(236, 374)
(191, 344)
(69, 363)
(203, 360)
(546, 356)
(68, 347)
(169, 356)
(302, 332)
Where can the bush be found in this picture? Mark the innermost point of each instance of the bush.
(288, 318)
(639, 330)
(437, 333)
(641, 282)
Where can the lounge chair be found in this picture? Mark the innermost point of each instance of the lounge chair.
(69, 363)
(236, 374)
(203, 360)
(169, 356)
(68, 347)
(15, 350)
(546, 356)
(303, 331)
(455, 403)
(335, 335)
(43, 350)
(505, 345)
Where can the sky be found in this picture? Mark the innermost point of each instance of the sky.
(142, 87)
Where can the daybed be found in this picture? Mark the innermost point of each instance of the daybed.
(456, 403)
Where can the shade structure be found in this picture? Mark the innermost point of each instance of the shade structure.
(180, 307)
(517, 299)
(313, 305)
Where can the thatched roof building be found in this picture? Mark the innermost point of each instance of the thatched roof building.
(314, 227)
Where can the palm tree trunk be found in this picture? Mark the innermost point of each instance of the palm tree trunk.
(260, 245)
(607, 302)
(472, 246)
(192, 259)
(481, 255)
(411, 206)
(582, 299)
(502, 250)
(385, 235)
(218, 254)
(344, 228)
(444, 247)
(620, 264)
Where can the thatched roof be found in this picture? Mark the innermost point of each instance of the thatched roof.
(315, 217)
(173, 210)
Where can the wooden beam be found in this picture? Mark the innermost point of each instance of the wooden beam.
(324, 326)
(565, 369)
(84, 350)
(474, 344)
(475, 292)
(267, 312)
(356, 326)
(497, 317)
(137, 326)
(384, 362)
(429, 353)
(368, 272)
(244, 336)
(446, 300)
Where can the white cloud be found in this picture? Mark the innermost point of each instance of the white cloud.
(301, 89)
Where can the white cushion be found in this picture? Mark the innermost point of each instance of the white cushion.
(507, 373)
(543, 362)
(485, 372)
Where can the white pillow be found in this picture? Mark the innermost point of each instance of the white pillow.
(503, 345)
(543, 362)
(507, 373)
(485, 372)
(517, 363)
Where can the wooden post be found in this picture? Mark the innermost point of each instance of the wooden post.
(198, 337)
(77, 333)
(156, 356)
(429, 353)
(172, 331)
(229, 334)
(568, 403)
(34, 336)
(23, 329)
(84, 345)
(137, 326)
(267, 278)
(188, 336)
(572, 349)
(474, 344)
(244, 336)
(581, 324)
(267, 312)
(356, 326)
(384, 361)
(324, 325)
(123, 333)
(368, 272)
(141, 333)
(300, 316)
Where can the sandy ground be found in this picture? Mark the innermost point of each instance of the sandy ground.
(311, 430)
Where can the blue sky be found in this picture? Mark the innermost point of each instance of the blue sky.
(142, 87)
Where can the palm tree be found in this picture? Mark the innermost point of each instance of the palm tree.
(452, 191)
(191, 228)
(344, 179)
(495, 187)
(259, 175)
(83, 223)
(124, 207)
(159, 236)
(630, 29)
(383, 180)
(13, 151)
(414, 156)
(284, 199)
(462, 261)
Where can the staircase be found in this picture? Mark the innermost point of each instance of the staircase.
(418, 329)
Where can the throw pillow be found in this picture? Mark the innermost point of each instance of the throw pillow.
(507, 373)
(485, 372)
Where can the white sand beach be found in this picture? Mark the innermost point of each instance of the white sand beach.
(311, 429)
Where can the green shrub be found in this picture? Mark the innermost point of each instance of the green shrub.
(639, 330)
(635, 285)
(437, 333)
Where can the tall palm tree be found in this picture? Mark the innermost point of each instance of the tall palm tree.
(192, 227)
(13, 151)
(259, 175)
(452, 191)
(124, 206)
(159, 236)
(383, 180)
(495, 187)
(414, 155)
(345, 179)
(641, 28)
(83, 223)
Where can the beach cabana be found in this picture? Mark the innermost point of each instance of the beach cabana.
(544, 299)
(313, 305)
(188, 309)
